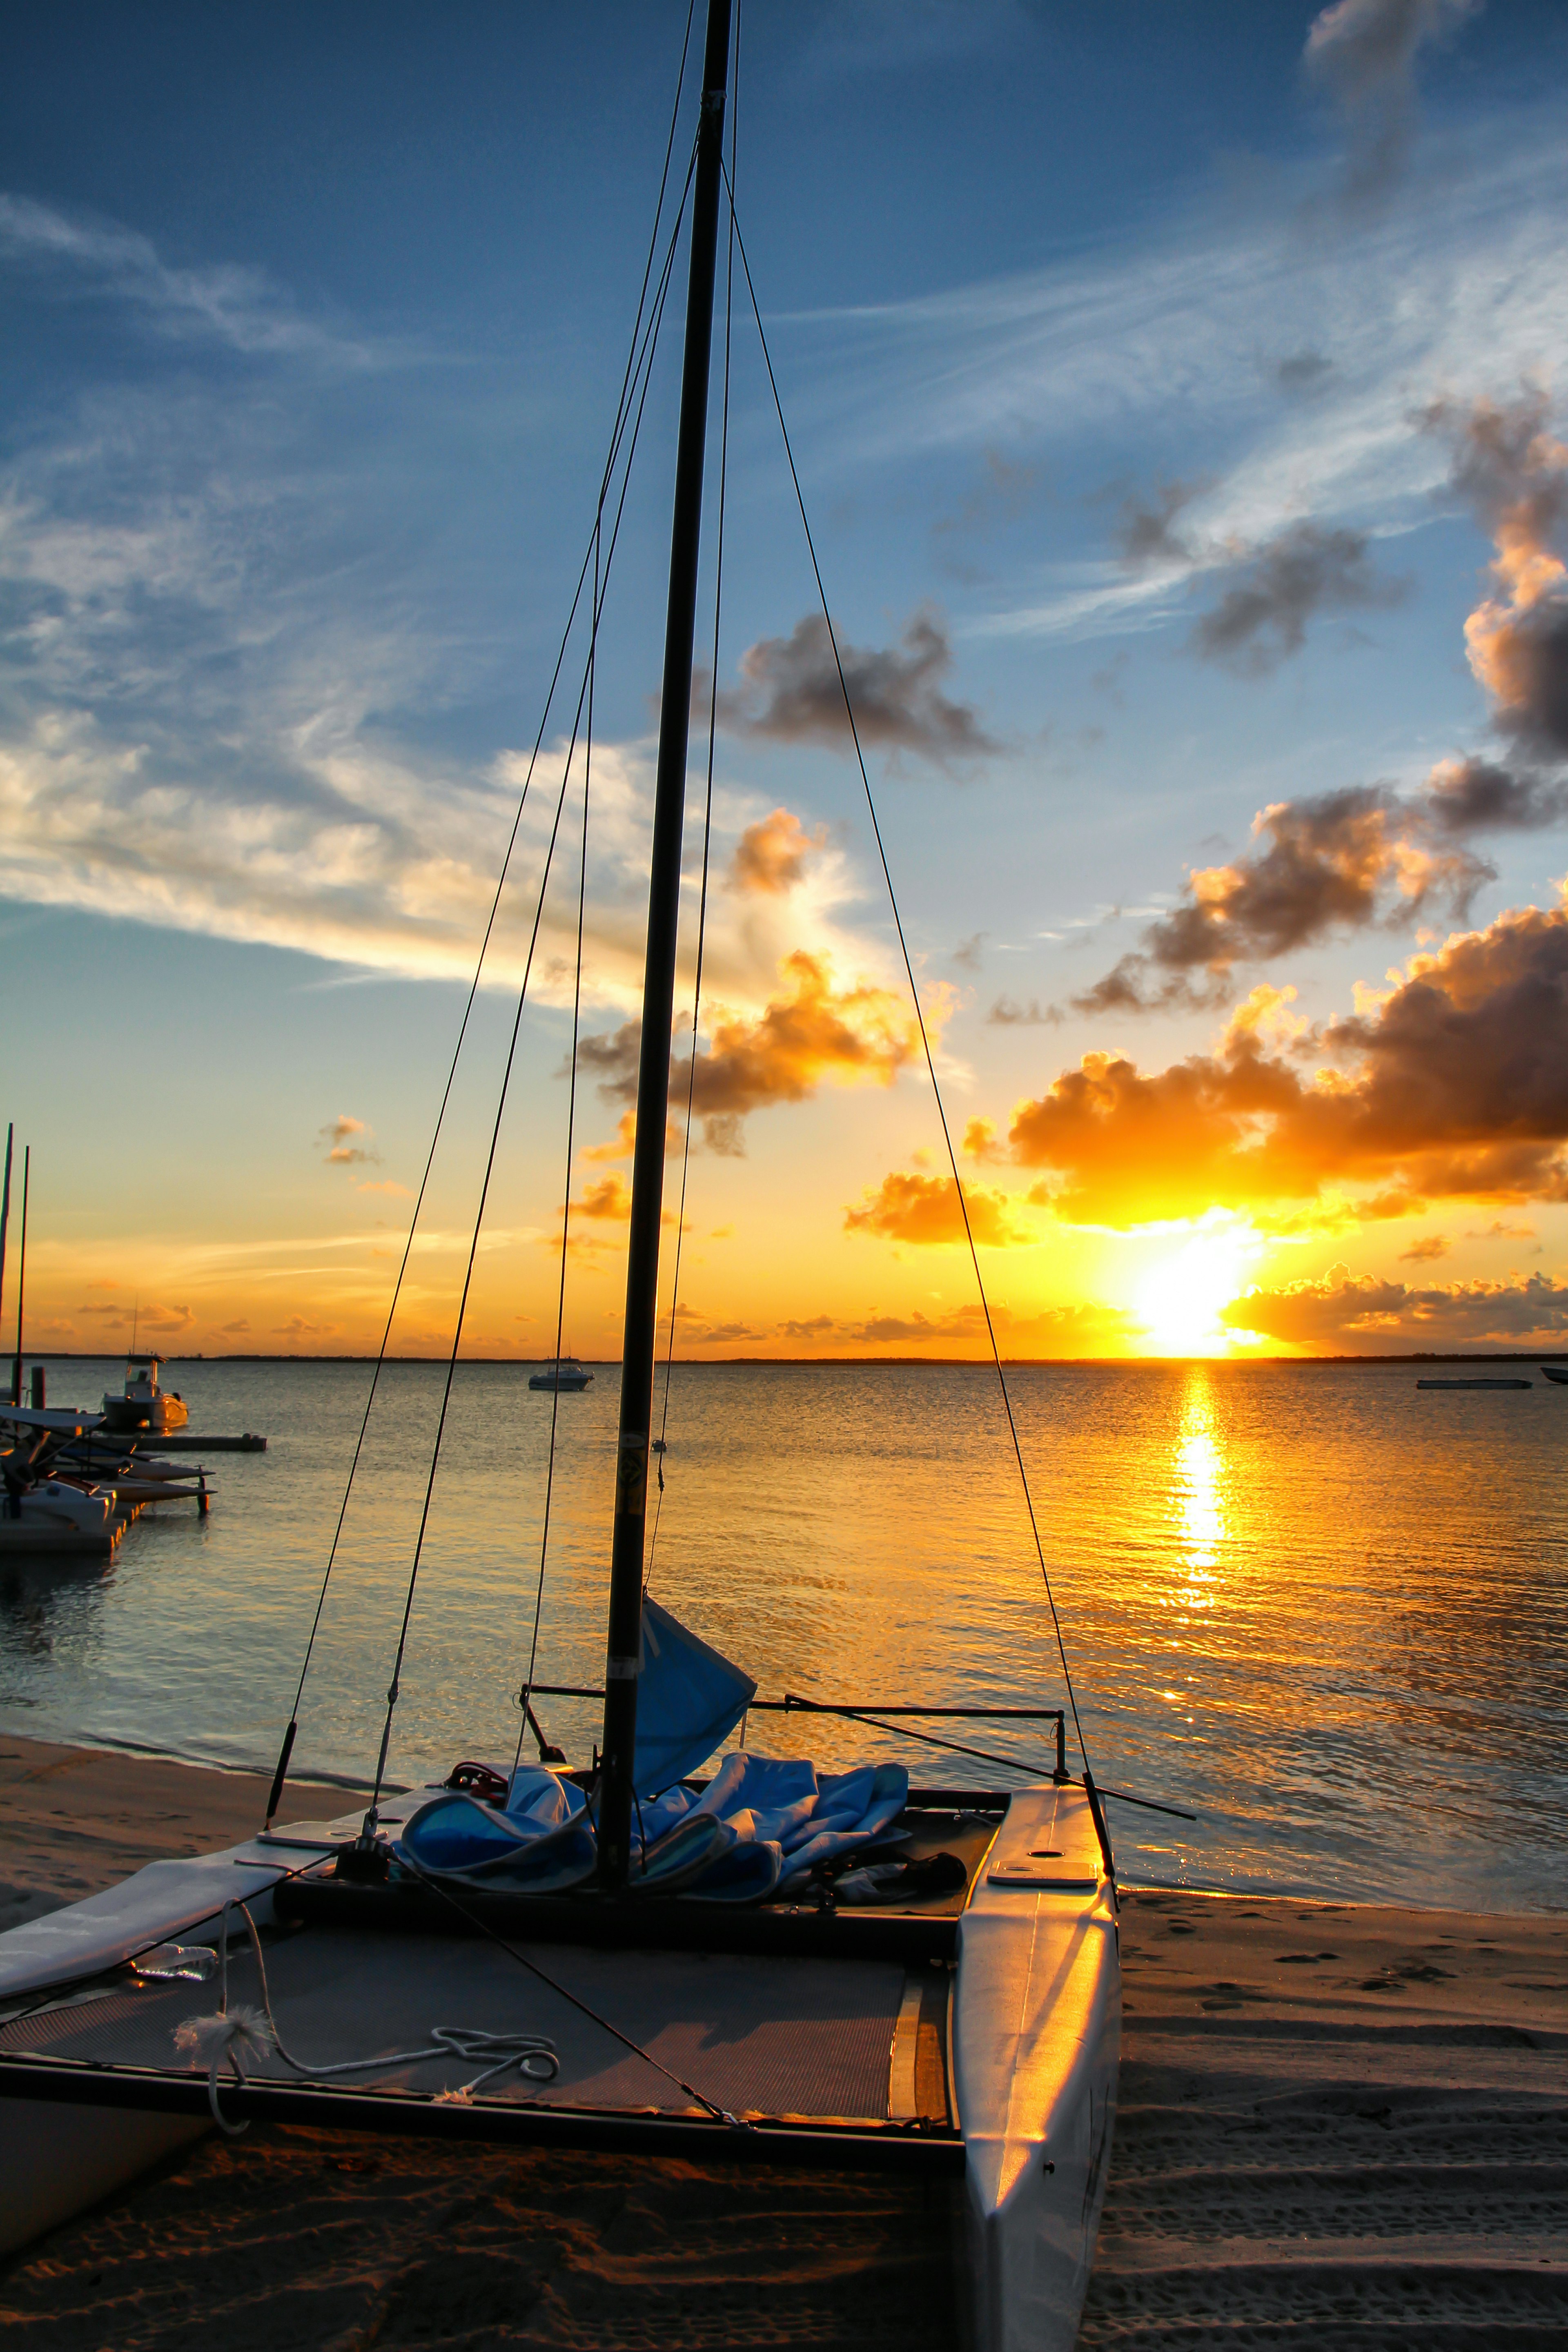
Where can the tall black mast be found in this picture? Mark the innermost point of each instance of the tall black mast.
(658, 983)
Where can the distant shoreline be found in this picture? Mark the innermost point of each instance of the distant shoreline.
(935, 1363)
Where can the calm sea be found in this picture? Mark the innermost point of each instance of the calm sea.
(1322, 1609)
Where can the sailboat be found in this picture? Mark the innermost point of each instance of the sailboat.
(777, 1965)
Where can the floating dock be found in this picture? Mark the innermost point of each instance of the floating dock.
(171, 1441)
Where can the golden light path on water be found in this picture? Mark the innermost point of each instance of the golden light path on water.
(1322, 1609)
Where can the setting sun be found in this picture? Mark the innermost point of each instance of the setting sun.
(1180, 1299)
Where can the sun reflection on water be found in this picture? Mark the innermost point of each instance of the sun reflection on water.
(1198, 1490)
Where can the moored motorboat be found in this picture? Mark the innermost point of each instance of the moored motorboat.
(1557, 1373)
(563, 1373)
(143, 1404)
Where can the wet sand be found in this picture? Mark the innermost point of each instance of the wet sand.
(1340, 2128)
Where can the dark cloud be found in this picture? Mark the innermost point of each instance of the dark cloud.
(1431, 1245)
(1363, 53)
(1301, 372)
(1146, 532)
(1008, 1013)
(1514, 475)
(1341, 1308)
(791, 693)
(1456, 1086)
(1305, 570)
(1339, 862)
(968, 952)
(811, 1031)
(1477, 797)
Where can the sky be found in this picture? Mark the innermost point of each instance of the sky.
(1178, 400)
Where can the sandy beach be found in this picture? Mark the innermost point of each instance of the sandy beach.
(1339, 2125)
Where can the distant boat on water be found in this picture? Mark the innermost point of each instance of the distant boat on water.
(560, 1372)
(1485, 1384)
(141, 1404)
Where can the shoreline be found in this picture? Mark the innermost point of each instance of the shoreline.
(1337, 2123)
(862, 1364)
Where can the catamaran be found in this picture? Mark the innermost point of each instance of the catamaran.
(777, 1964)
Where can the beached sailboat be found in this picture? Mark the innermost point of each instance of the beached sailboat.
(781, 1966)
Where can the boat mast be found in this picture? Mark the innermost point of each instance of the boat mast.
(658, 984)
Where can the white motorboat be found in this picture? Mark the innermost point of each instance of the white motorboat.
(142, 1405)
(40, 1509)
(563, 1373)
(779, 1965)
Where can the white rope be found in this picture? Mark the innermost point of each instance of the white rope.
(241, 2034)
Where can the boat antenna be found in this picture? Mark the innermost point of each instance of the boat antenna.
(21, 1279)
(625, 1639)
(925, 1041)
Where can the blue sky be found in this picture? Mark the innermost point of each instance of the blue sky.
(1134, 359)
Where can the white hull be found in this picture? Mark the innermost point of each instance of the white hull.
(1036, 2036)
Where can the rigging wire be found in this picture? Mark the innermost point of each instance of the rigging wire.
(525, 1693)
(914, 991)
(638, 367)
(660, 1449)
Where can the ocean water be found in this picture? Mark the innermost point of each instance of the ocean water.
(1323, 1610)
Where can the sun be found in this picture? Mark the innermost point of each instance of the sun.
(1179, 1301)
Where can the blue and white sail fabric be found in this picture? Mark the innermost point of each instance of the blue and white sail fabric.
(690, 1700)
(762, 1825)
(539, 1842)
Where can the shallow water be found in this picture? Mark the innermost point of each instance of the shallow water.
(1319, 1608)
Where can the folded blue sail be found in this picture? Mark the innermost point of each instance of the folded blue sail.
(690, 1700)
(764, 1824)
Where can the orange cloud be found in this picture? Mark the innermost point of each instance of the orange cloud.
(1457, 1085)
(770, 855)
(911, 1208)
(341, 1137)
(811, 1031)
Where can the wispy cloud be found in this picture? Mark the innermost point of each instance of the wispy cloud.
(1457, 287)
(229, 302)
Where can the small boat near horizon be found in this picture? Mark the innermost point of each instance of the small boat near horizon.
(563, 1375)
(1475, 1385)
(143, 1404)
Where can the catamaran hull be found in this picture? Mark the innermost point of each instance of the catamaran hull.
(1036, 2037)
(57, 2160)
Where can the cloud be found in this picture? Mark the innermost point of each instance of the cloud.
(1363, 53)
(1475, 796)
(968, 953)
(151, 1314)
(1340, 861)
(238, 1330)
(343, 1148)
(1433, 1245)
(1456, 1085)
(791, 693)
(811, 1030)
(1301, 370)
(1515, 475)
(296, 1327)
(1008, 1013)
(386, 1187)
(231, 304)
(1343, 1308)
(770, 855)
(1305, 570)
(1146, 532)
(1498, 1231)
(925, 1209)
